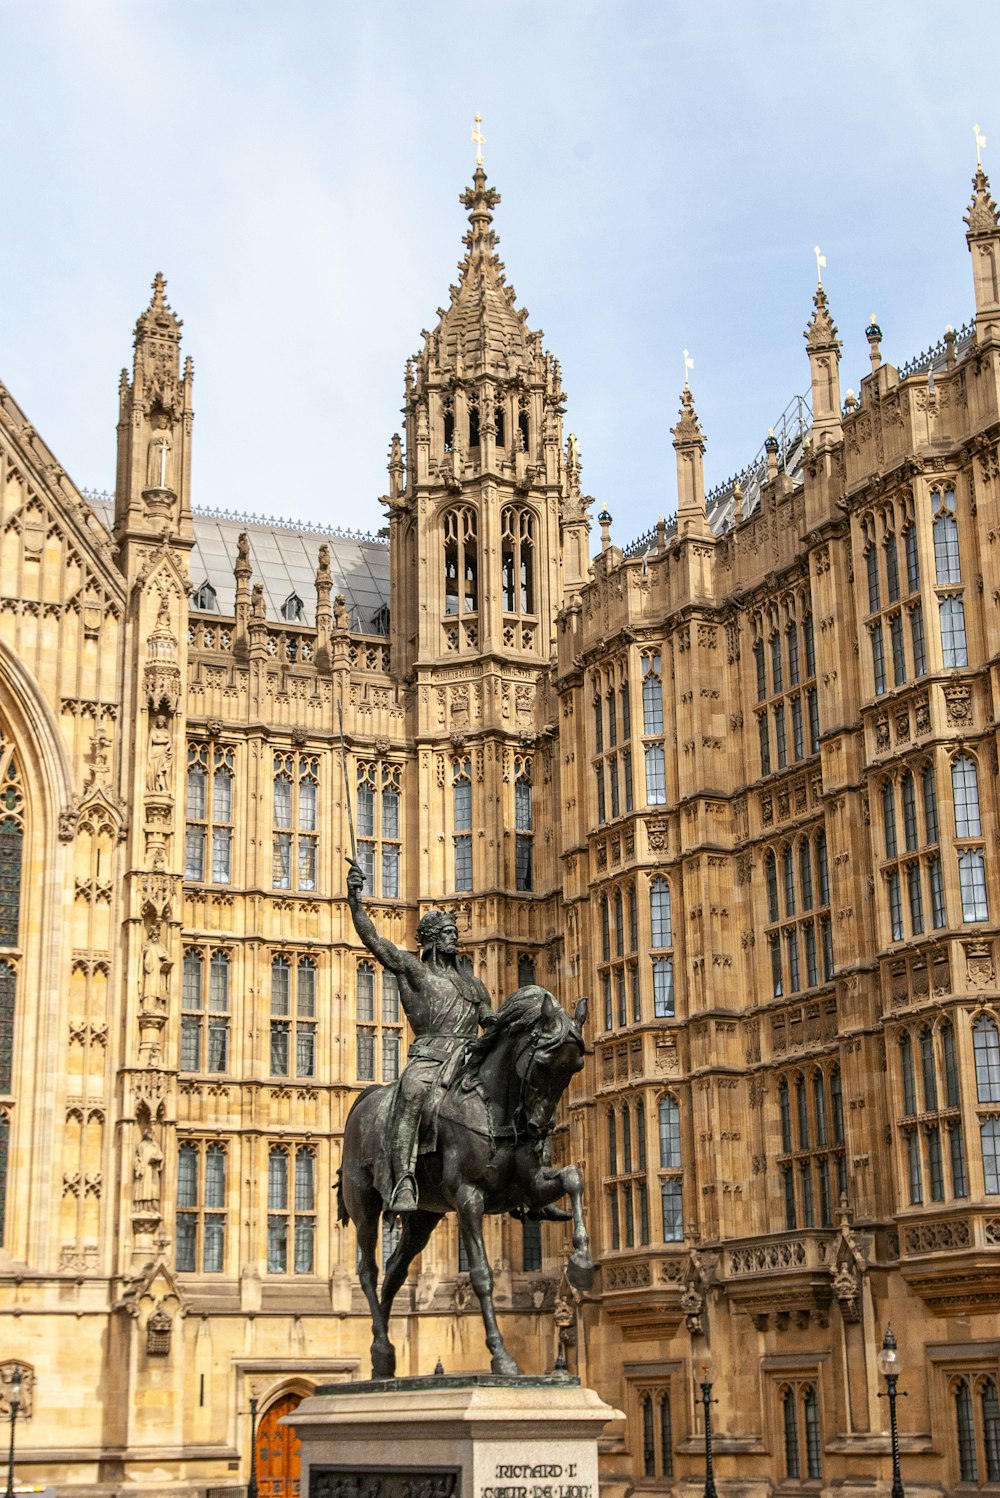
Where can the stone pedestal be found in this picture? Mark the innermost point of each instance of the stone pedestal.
(471, 1436)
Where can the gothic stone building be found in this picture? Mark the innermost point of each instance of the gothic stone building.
(738, 783)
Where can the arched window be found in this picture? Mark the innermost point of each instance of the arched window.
(965, 787)
(449, 427)
(666, 1437)
(201, 1204)
(793, 1469)
(891, 567)
(814, 1467)
(461, 561)
(802, 1112)
(670, 1134)
(819, 1107)
(823, 868)
(761, 674)
(947, 562)
(805, 875)
(291, 1209)
(205, 598)
(928, 1070)
(517, 551)
(788, 878)
(991, 1428)
(951, 1084)
(954, 644)
(652, 693)
(524, 430)
(293, 609)
(968, 1464)
(989, 1131)
(659, 911)
(785, 1113)
(524, 839)
(889, 819)
(909, 812)
(473, 422)
(461, 777)
(930, 804)
(986, 1049)
(648, 1449)
(771, 875)
(909, 1080)
(612, 1143)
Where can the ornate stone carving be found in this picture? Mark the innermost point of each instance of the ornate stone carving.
(980, 971)
(958, 702)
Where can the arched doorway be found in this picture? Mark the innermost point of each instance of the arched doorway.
(279, 1451)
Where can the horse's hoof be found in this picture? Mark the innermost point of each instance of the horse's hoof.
(505, 1365)
(384, 1364)
(580, 1270)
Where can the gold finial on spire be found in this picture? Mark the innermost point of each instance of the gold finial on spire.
(688, 365)
(980, 144)
(820, 264)
(479, 138)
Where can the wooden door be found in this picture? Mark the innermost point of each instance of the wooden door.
(279, 1451)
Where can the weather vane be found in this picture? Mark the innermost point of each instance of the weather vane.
(820, 264)
(688, 365)
(980, 143)
(479, 138)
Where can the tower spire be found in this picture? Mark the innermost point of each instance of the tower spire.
(983, 238)
(689, 444)
(823, 346)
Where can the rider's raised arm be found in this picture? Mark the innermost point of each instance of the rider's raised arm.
(390, 956)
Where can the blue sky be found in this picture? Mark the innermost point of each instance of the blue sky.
(294, 169)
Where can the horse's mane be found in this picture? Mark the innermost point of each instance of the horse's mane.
(517, 1014)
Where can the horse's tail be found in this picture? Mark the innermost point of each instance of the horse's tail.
(342, 1216)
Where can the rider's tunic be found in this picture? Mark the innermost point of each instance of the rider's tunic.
(450, 1021)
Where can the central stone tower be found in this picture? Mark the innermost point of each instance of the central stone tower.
(488, 542)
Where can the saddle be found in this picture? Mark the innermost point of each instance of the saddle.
(455, 1080)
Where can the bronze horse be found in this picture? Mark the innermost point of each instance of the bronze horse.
(489, 1156)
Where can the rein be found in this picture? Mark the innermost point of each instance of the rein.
(531, 1134)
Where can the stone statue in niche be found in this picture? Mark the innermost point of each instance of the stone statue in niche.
(161, 755)
(158, 453)
(154, 980)
(147, 1170)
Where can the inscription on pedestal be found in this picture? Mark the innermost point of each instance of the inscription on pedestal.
(385, 1482)
(535, 1479)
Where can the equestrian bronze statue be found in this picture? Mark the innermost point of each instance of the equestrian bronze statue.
(466, 1127)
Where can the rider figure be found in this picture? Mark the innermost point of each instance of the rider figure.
(445, 1007)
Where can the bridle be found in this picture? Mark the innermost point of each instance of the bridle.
(521, 1129)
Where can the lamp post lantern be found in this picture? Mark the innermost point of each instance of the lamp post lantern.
(252, 1484)
(707, 1373)
(890, 1365)
(15, 1405)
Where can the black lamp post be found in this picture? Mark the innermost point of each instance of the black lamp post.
(252, 1484)
(889, 1365)
(707, 1401)
(15, 1405)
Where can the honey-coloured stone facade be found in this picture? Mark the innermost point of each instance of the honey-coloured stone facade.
(736, 782)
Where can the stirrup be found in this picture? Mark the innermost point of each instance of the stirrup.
(404, 1198)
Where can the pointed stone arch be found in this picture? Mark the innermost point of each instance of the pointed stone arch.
(30, 724)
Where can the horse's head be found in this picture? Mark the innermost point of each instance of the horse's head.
(547, 1048)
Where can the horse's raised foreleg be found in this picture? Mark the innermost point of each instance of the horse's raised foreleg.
(469, 1202)
(417, 1228)
(547, 1185)
(367, 1214)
